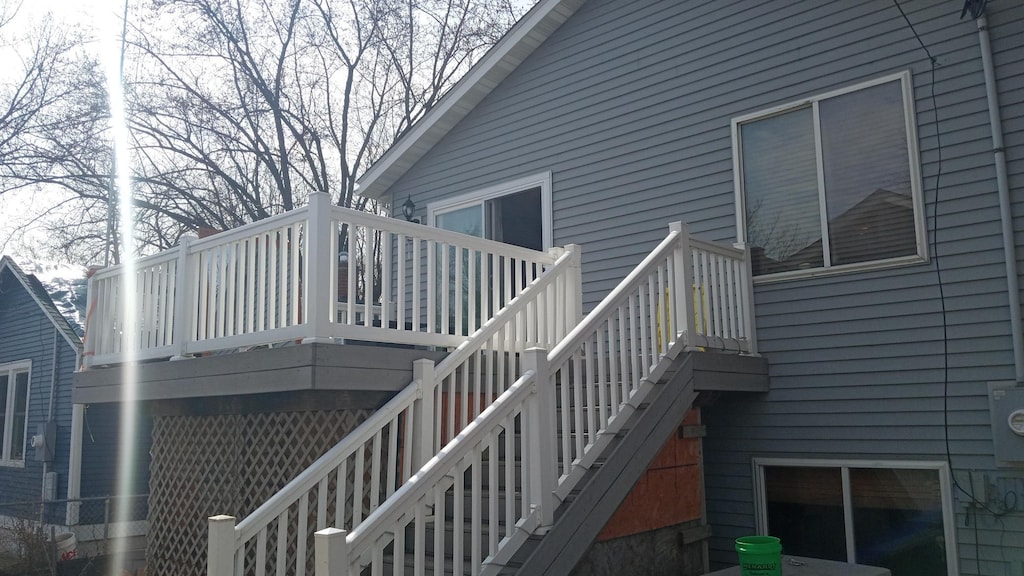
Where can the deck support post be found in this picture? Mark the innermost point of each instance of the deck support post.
(184, 282)
(330, 550)
(220, 558)
(543, 437)
(748, 325)
(320, 267)
(685, 291)
(423, 448)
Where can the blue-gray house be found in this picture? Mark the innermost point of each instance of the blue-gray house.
(801, 219)
(59, 458)
(871, 155)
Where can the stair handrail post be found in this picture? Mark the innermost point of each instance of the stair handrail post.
(423, 449)
(89, 341)
(319, 268)
(747, 284)
(220, 555)
(574, 290)
(184, 297)
(330, 552)
(683, 280)
(542, 429)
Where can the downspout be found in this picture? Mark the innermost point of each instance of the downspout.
(1002, 182)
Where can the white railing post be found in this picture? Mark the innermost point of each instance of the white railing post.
(183, 299)
(220, 558)
(749, 325)
(319, 267)
(543, 437)
(574, 287)
(330, 550)
(423, 448)
(685, 290)
(89, 341)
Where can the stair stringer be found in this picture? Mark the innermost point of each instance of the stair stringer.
(582, 516)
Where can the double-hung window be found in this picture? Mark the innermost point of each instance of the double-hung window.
(14, 379)
(832, 182)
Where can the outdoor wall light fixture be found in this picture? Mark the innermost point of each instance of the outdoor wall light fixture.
(408, 209)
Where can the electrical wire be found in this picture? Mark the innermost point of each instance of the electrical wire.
(936, 259)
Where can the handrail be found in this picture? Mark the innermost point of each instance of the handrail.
(403, 405)
(441, 464)
(278, 279)
(613, 300)
(270, 509)
(309, 477)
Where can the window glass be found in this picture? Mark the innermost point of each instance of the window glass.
(805, 510)
(897, 520)
(893, 516)
(517, 219)
(469, 220)
(20, 408)
(780, 179)
(849, 150)
(4, 435)
(867, 175)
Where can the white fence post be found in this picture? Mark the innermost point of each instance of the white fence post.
(220, 558)
(320, 265)
(183, 299)
(685, 290)
(330, 549)
(574, 288)
(89, 342)
(543, 437)
(749, 325)
(423, 448)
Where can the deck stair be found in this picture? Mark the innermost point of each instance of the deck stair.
(506, 456)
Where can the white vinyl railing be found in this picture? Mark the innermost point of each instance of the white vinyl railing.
(501, 478)
(316, 273)
(352, 479)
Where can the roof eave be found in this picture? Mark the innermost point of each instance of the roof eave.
(59, 322)
(504, 57)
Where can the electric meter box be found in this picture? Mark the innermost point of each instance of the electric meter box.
(1006, 405)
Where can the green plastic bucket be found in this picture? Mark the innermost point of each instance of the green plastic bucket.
(760, 555)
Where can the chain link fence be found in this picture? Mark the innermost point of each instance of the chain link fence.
(70, 537)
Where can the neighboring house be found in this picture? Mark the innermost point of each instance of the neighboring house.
(871, 191)
(894, 339)
(74, 467)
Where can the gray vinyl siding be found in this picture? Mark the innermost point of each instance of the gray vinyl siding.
(26, 333)
(629, 104)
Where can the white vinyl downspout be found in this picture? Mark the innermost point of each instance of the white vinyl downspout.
(1002, 182)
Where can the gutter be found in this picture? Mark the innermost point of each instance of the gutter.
(1002, 182)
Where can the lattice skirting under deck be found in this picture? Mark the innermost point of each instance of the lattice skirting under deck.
(226, 464)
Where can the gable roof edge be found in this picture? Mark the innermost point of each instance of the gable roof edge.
(504, 57)
(56, 318)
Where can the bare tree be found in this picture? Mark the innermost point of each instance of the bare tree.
(53, 117)
(238, 109)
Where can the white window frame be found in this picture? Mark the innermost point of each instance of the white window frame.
(542, 181)
(945, 494)
(11, 369)
(916, 186)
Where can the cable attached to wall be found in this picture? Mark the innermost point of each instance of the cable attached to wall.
(975, 8)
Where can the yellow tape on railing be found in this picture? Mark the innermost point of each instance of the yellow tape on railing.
(700, 312)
